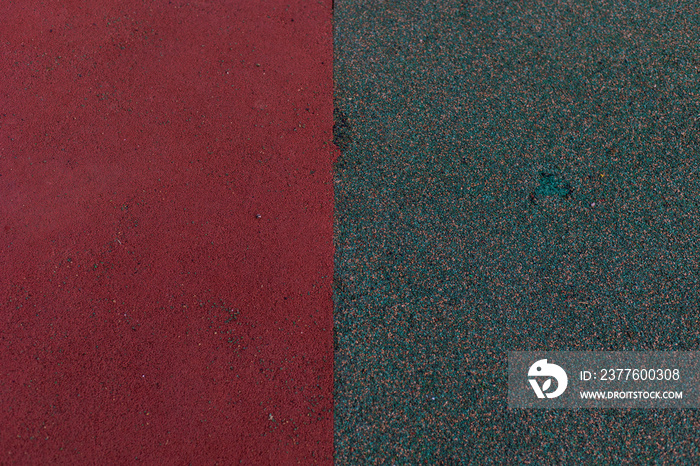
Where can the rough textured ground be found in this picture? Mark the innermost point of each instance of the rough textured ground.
(514, 176)
(165, 232)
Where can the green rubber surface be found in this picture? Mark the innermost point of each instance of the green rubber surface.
(514, 176)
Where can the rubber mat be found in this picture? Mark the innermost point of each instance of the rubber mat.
(166, 207)
(513, 176)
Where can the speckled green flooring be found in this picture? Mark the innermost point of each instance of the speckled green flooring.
(514, 176)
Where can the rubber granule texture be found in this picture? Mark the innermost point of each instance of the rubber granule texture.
(166, 232)
(514, 176)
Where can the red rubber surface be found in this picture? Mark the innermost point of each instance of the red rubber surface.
(147, 313)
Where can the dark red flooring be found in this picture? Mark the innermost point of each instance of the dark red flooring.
(166, 244)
